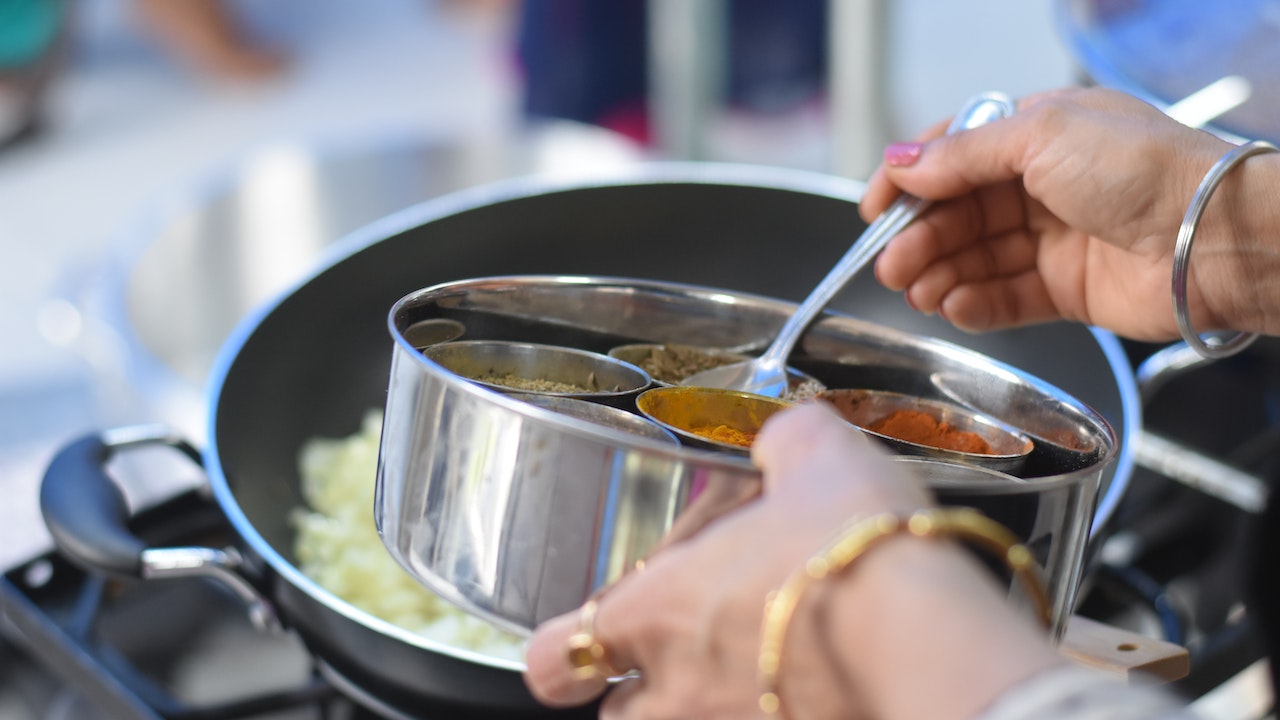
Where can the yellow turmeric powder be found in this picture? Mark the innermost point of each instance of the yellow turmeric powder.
(725, 434)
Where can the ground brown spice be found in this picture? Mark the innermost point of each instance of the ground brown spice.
(725, 434)
(673, 363)
(924, 429)
(516, 382)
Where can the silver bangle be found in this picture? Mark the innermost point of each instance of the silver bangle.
(1211, 349)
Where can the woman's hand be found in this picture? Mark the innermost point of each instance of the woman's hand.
(690, 621)
(1069, 210)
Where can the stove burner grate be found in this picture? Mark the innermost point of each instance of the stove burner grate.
(81, 645)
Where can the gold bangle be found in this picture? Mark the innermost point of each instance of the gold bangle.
(1182, 255)
(861, 535)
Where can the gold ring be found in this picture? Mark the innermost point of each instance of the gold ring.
(586, 655)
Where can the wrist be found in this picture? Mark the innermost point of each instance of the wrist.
(1235, 256)
(928, 606)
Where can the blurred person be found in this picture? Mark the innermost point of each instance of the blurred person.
(32, 38)
(587, 61)
(1068, 210)
(204, 35)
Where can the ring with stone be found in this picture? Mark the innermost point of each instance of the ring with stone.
(588, 658)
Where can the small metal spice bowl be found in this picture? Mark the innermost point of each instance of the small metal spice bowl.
(670, 363)
(694, 414)
(514, 367)
(425, 333)
(966, 436)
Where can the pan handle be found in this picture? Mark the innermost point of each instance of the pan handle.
(88, 517)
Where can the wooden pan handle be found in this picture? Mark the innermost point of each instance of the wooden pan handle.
(1137, 658)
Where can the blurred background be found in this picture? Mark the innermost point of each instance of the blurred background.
(166, 166)
(132, 129)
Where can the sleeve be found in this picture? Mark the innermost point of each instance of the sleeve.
(1071, 692)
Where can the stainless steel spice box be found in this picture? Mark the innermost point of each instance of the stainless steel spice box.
(517, 513)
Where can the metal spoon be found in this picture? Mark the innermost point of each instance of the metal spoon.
(767, 374)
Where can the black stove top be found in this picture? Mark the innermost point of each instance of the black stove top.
(80, 645)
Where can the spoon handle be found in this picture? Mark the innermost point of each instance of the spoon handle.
(979, 110)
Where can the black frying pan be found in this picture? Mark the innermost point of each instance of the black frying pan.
(316, 361)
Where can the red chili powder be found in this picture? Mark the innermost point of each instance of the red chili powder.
(923, 429)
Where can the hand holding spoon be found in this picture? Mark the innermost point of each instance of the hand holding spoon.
(767, 374)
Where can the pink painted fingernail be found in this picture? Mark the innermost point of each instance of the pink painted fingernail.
(902, 154)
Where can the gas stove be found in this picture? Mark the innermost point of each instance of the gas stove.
(80, 645)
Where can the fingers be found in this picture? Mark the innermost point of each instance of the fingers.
(624, 701)
(880, 191)
(620, 626)
(948, 166)
(807, 433)
(817, 464)
(998, 304)
(951, 227)
(550, 676)
(572, 657)
(996, 259)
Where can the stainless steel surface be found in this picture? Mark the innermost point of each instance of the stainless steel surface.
(767, 374)
(1177, 461)
(223, 566)
(865, 408)
(431, 332)
(518, 515)
(1033, 511)
(513, 511)
(1165, 365)
(1207, 474)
